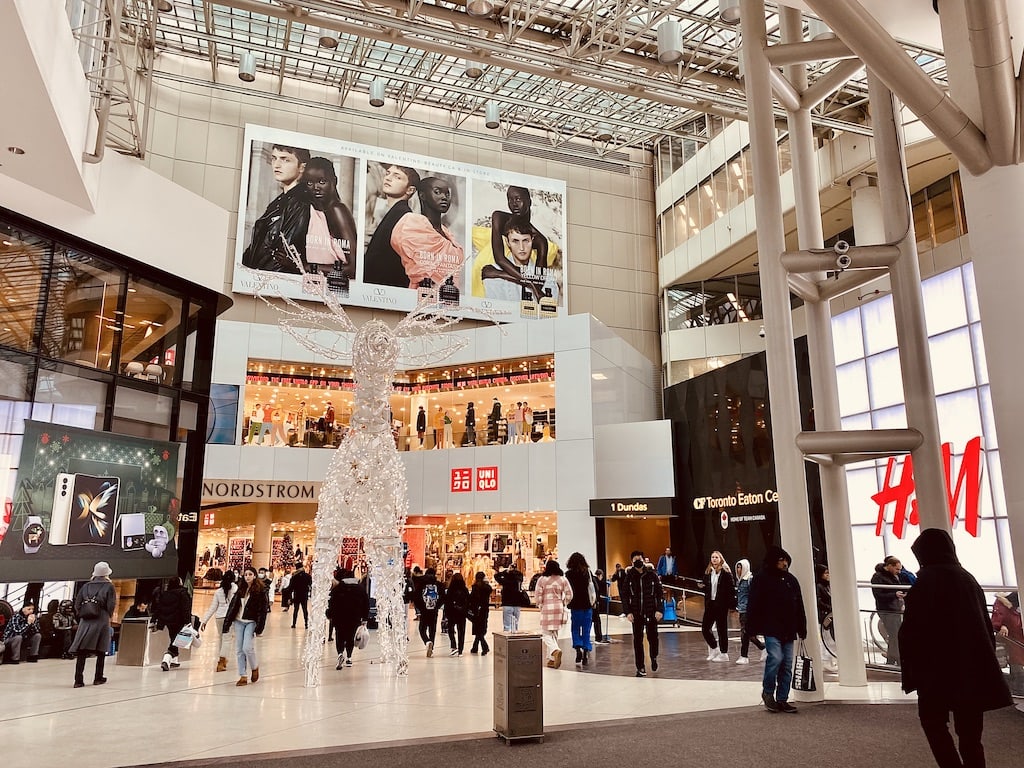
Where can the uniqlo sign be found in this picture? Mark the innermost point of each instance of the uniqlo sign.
(462, 479)
(487, 478)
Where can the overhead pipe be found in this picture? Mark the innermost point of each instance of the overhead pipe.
(805, 288)
(781, 54)
(828, 84)
(884, 442)
(784, 91)
(901, 74)
(988, 30)
(100, 145)
(840, 257)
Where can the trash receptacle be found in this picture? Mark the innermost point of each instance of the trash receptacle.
(133, 644)
(518, 686)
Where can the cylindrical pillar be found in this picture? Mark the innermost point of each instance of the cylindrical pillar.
(825, 390)
(908, 307)
(794, 520)
(866, 200)
(261, 541)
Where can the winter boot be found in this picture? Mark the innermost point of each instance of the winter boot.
(222, 664)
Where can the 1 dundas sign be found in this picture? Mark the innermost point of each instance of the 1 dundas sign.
(462, 479)
(901, 492)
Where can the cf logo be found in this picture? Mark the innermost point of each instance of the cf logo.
(700, 502)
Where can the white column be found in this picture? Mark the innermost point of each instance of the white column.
(794, 518)
(262, 537)
(996, 225)
(834, 494)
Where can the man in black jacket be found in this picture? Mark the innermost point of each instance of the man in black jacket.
(301, 584)
(643, 605)
(775, 609)
(949, 653)
(287, 215)
(172, 609)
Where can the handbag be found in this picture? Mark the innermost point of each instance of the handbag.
(591, 589)
(803, 670)
(362, 637)
(186, 637)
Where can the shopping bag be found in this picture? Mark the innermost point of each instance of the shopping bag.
(186, 637)
(362, 637)
(803, 670)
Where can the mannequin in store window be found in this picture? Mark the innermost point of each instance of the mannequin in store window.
(448, 429)
(255, 423)
(300, 421)
(268, 423)
(470, 423)
(329, 423)
(527, 422)
(438, 425)
(493, 420)
(421, 425)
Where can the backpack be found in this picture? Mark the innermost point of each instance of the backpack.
(90, 608)
(430, 597)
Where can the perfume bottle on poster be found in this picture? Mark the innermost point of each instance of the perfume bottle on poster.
(450, 292)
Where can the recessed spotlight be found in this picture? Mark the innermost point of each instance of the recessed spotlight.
(16, 150)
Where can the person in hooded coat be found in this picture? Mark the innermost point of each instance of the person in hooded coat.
(348, 606)
(948, 653)
(775, 609)
(93, 635)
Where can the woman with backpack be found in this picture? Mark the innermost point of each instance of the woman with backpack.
(479, 610)
(95, 604)
(456, 606)
(429, 600)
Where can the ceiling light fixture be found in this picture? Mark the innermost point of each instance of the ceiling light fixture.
(377, 93)
(604, 132)
(479, 9)
(16, 150)
(325, 38)
(493, 114)
(729, 11)
(472, 69)
(247, 66)
(670, 42)
(164, 6)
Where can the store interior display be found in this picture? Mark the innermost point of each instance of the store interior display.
(290, 404)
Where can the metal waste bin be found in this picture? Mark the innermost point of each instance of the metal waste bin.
(518, 686)
(133, 644)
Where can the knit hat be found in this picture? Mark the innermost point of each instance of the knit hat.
(102, 568)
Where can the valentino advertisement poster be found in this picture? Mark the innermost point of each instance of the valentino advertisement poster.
(384, 229)
(83, 496)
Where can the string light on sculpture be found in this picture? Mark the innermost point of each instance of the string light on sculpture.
(364, 494)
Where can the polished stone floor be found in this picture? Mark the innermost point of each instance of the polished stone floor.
(145, 715)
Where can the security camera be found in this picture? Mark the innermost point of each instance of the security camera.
(761, 332)
(843, 261)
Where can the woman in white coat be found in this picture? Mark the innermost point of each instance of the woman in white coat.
(218, 610)
(552, 594)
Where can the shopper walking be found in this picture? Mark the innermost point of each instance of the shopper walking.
(642, 603)
(513, 598)
(743, 579)
(247, 617)
(948, 653)
(719, 599)
(218, 610)
(601, 585)
(1006, 620)
(429, 600)
(94, 605)
(348, 607)
(552, 594)
(172, 610)
(456, 607)
(301, 584)
(775, 609)
(581, 607)
(479, 612)
(889, 603)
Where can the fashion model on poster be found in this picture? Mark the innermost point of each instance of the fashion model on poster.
(331, 236)
(743, 578)
(93, 635)
(456, 610)
(383, 264)
(552, 594)
(247, 617)
(889, 603)
(348, 607)
(218, 609)
(948, 653)
(513, 598)
(428, 249)
(489, 281)
(775, 609)
(287, 215)
(520, 204)
(581, 608)
(642, 597)
(172, 610)
(719, 599)
(479, 610)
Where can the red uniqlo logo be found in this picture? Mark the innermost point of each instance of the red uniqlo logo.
(462, 479)
(487, 478)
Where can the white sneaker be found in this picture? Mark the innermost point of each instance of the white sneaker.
(764, 654)
(742, 660)
(721, 657)
(712, 654)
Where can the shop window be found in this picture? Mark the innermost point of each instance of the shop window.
(69, 399)
(24, 264)
(152, 319)
(922, 222)
(84, 306)
(14, 375)
(944, 215)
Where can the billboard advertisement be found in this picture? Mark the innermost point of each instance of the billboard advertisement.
(384, 229)
(83, 496)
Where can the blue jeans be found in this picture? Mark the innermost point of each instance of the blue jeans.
(778, 668)
(582, 621)
(510, 618)
(245, 646)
